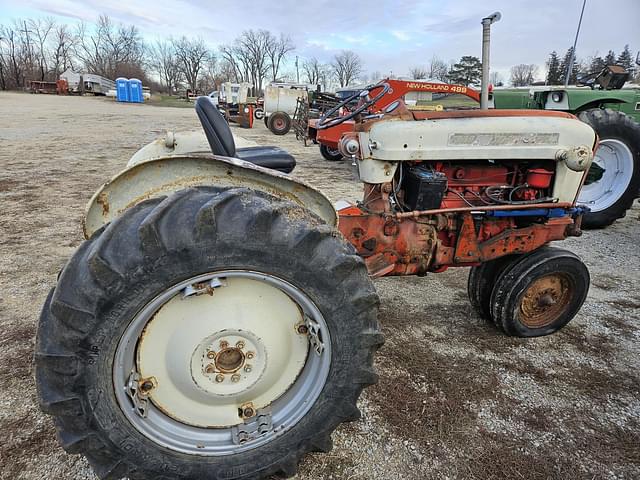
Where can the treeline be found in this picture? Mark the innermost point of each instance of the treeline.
(41, 49)
(468, 70)
(557, 67)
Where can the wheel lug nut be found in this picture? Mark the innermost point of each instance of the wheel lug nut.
(235, 378)
(211, 354)
(146, 385)
(247, 368)
(224, 344)
(240, 344)
(209, 368)
(250, 355)
(248, 412)
(219, 378)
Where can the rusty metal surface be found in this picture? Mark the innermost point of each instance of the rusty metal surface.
(163, 176)
(545, 300)
(419, 244)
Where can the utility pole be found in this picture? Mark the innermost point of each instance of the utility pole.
(297, 71)
(575, 42)
(486, 36)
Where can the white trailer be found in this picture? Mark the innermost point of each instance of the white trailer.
(95, 84)
(280, 101)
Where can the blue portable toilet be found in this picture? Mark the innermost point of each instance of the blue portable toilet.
(122, 89)
(135, 90)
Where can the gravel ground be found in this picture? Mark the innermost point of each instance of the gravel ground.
(456, 399)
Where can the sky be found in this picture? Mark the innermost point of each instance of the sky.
(390, 36)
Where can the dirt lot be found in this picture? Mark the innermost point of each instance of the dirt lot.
(456, 399)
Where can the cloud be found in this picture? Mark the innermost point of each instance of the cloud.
(387, 34)
(400, 35)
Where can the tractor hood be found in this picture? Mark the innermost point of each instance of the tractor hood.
(481, 138)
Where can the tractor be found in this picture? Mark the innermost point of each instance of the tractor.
(614, 113)
(329, 136)
(220, 320)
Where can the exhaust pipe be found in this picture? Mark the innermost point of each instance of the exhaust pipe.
(486, 34)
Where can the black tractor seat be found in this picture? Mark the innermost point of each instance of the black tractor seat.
(221, 141)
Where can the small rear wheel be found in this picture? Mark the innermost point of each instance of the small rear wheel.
(258, 113)
(215, 333)
(279, 123)
(331, 154)
(539, 293)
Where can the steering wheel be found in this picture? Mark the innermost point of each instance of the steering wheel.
(365, 102)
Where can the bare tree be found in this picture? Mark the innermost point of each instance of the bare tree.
(495, 78)
(40, 30)
(207, 79)
(13, 52)
(523, 74)
(164, 62)
(418, 73)
(437, 69)
(252, 47)
(312, 68)
(277, 50)
(346, 66)
(62, 46)
(109, 50)
(191, 56)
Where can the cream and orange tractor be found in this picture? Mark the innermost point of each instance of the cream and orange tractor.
(220, 320)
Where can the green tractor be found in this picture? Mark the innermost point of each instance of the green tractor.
(614, 113)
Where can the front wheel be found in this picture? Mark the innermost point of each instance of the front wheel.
(331, 154)
(215, 333)
(613, 182)
(539, 293)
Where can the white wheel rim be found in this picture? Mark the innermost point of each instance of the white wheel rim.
(178, 343)
(617, 161)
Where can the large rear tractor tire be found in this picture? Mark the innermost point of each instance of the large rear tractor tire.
(279, 123)
(539, 293)
(613, 182)
(214, 333)
(331, 154)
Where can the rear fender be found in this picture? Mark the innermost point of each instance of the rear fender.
(162, 176)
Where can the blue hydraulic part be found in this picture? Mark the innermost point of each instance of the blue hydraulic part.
(540, 212)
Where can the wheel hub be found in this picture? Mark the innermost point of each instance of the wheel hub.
(219, 363)
(228, 362)
(545, 300)
(253, 355)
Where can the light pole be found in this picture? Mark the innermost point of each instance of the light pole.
(573, 51)
(486, 34)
